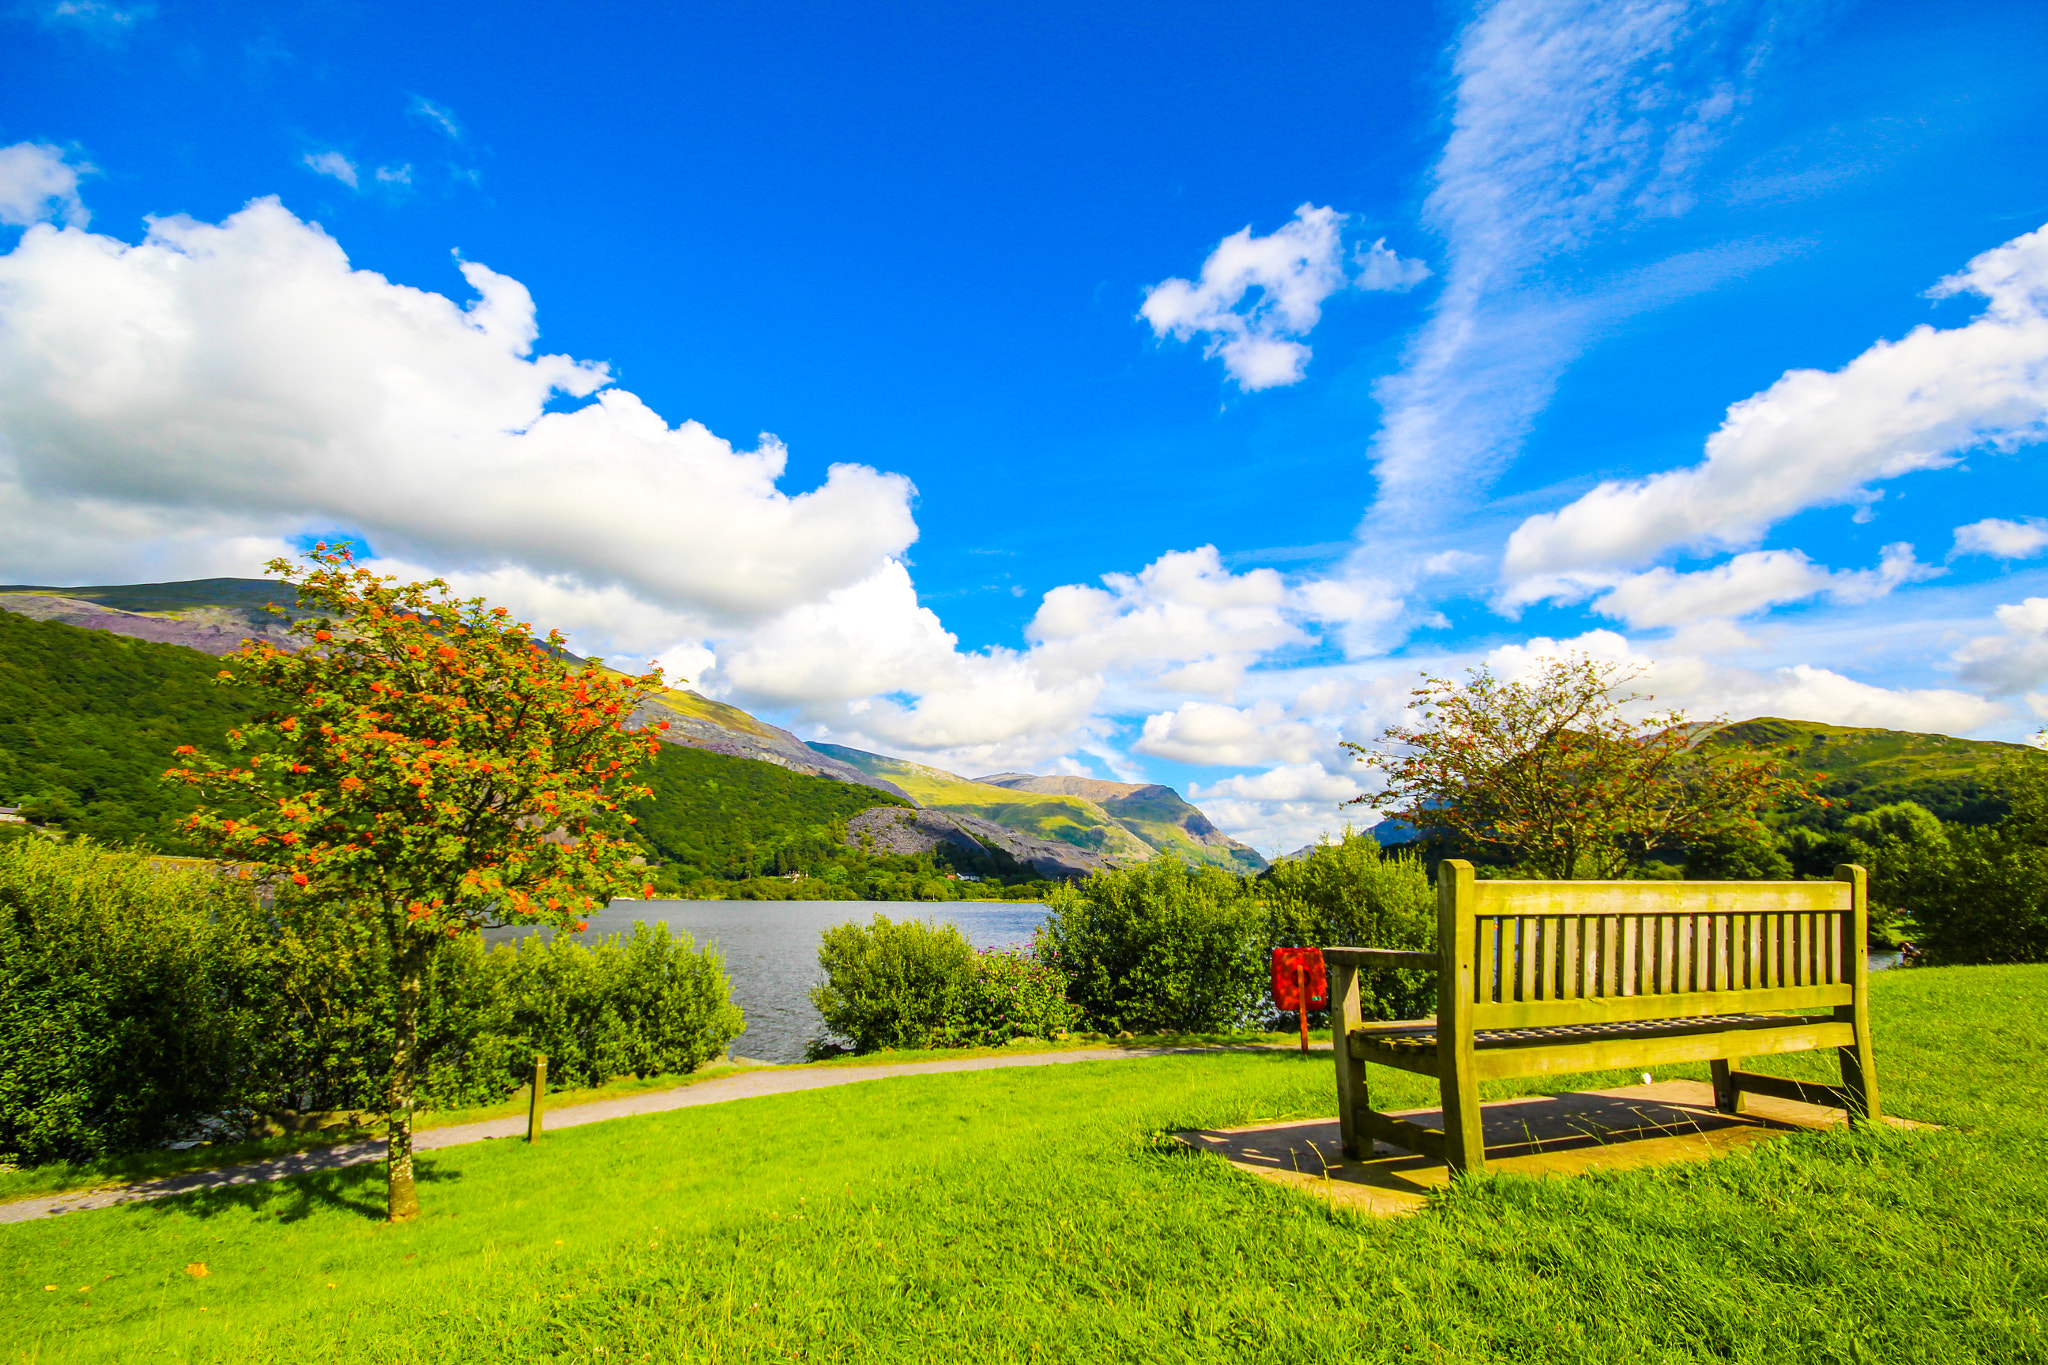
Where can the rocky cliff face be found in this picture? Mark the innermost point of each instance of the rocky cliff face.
(892, 829)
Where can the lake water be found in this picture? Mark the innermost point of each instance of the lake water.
(771, 950)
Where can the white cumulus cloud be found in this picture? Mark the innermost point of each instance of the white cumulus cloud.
(1381, 269)
(1211, 733)
(1704, 687)
(1815, 438)
(1749, 583)
(2013, 662)
(1293, 270)
(242, 383)
(1283, 808)
(38, 185)
(2002, 539)
(1184, 623)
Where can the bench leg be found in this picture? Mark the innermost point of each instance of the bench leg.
(1354, 1102)
(1464, 1142)
(1859, 1081)
(1727, 1098)
(1351, 1092)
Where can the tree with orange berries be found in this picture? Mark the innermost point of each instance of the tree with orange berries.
(430, 767)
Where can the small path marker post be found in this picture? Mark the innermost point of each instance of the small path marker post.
(1301, 993)
(540, 1088)
(1300, 983)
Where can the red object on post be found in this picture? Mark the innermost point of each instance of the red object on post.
(1300, 984)
(1288, 987)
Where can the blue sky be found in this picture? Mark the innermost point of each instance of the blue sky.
(1151, 393)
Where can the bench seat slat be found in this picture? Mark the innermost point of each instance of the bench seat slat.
(1500, 1053)
(1688, 1005)
(1672, 1050)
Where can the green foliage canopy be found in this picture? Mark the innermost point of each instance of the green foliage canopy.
(141, 1004)
(1158, 948)
(431, 765)
(1552, 773)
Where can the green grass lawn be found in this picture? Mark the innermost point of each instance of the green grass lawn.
(1037, 1214)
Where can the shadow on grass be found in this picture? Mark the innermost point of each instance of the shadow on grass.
(359, 1190)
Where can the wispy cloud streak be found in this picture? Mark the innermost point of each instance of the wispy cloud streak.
(1570, 124)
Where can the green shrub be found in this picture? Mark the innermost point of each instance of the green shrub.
(646, 1005)
(1012, 995)
(131, 999)
(1982, 897)
(140, 1006)
(1159, 948)
(1346, 893)
(1979, 895)
(890, 985)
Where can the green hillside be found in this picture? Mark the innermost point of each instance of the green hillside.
(713, 815)
(88, 720)
(1072, 820)
(1863, 768)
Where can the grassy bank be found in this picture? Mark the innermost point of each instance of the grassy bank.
(1038, 1215)
(64, 1177)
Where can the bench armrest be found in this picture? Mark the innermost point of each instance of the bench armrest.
(1365, 959)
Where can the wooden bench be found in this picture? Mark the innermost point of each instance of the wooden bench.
(1536, 978)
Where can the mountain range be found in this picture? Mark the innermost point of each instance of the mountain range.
(1057, 826)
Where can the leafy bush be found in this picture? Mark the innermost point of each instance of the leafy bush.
(890, 985)
(1347, 893)
(131, 999)
(1981, 895)
(140, 1005)
(645, 1005)
(1159, 948)
(1012, 995)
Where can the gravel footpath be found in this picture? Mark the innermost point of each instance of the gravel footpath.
(746, 1085)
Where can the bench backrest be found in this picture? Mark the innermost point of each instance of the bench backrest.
(1516, 954)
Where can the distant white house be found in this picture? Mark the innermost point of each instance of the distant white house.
(12, 814)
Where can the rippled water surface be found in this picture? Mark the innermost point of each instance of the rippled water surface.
(771, 950)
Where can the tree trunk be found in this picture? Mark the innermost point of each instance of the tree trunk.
(402, 1201)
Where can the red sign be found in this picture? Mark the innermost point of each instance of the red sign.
(1294, 968)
